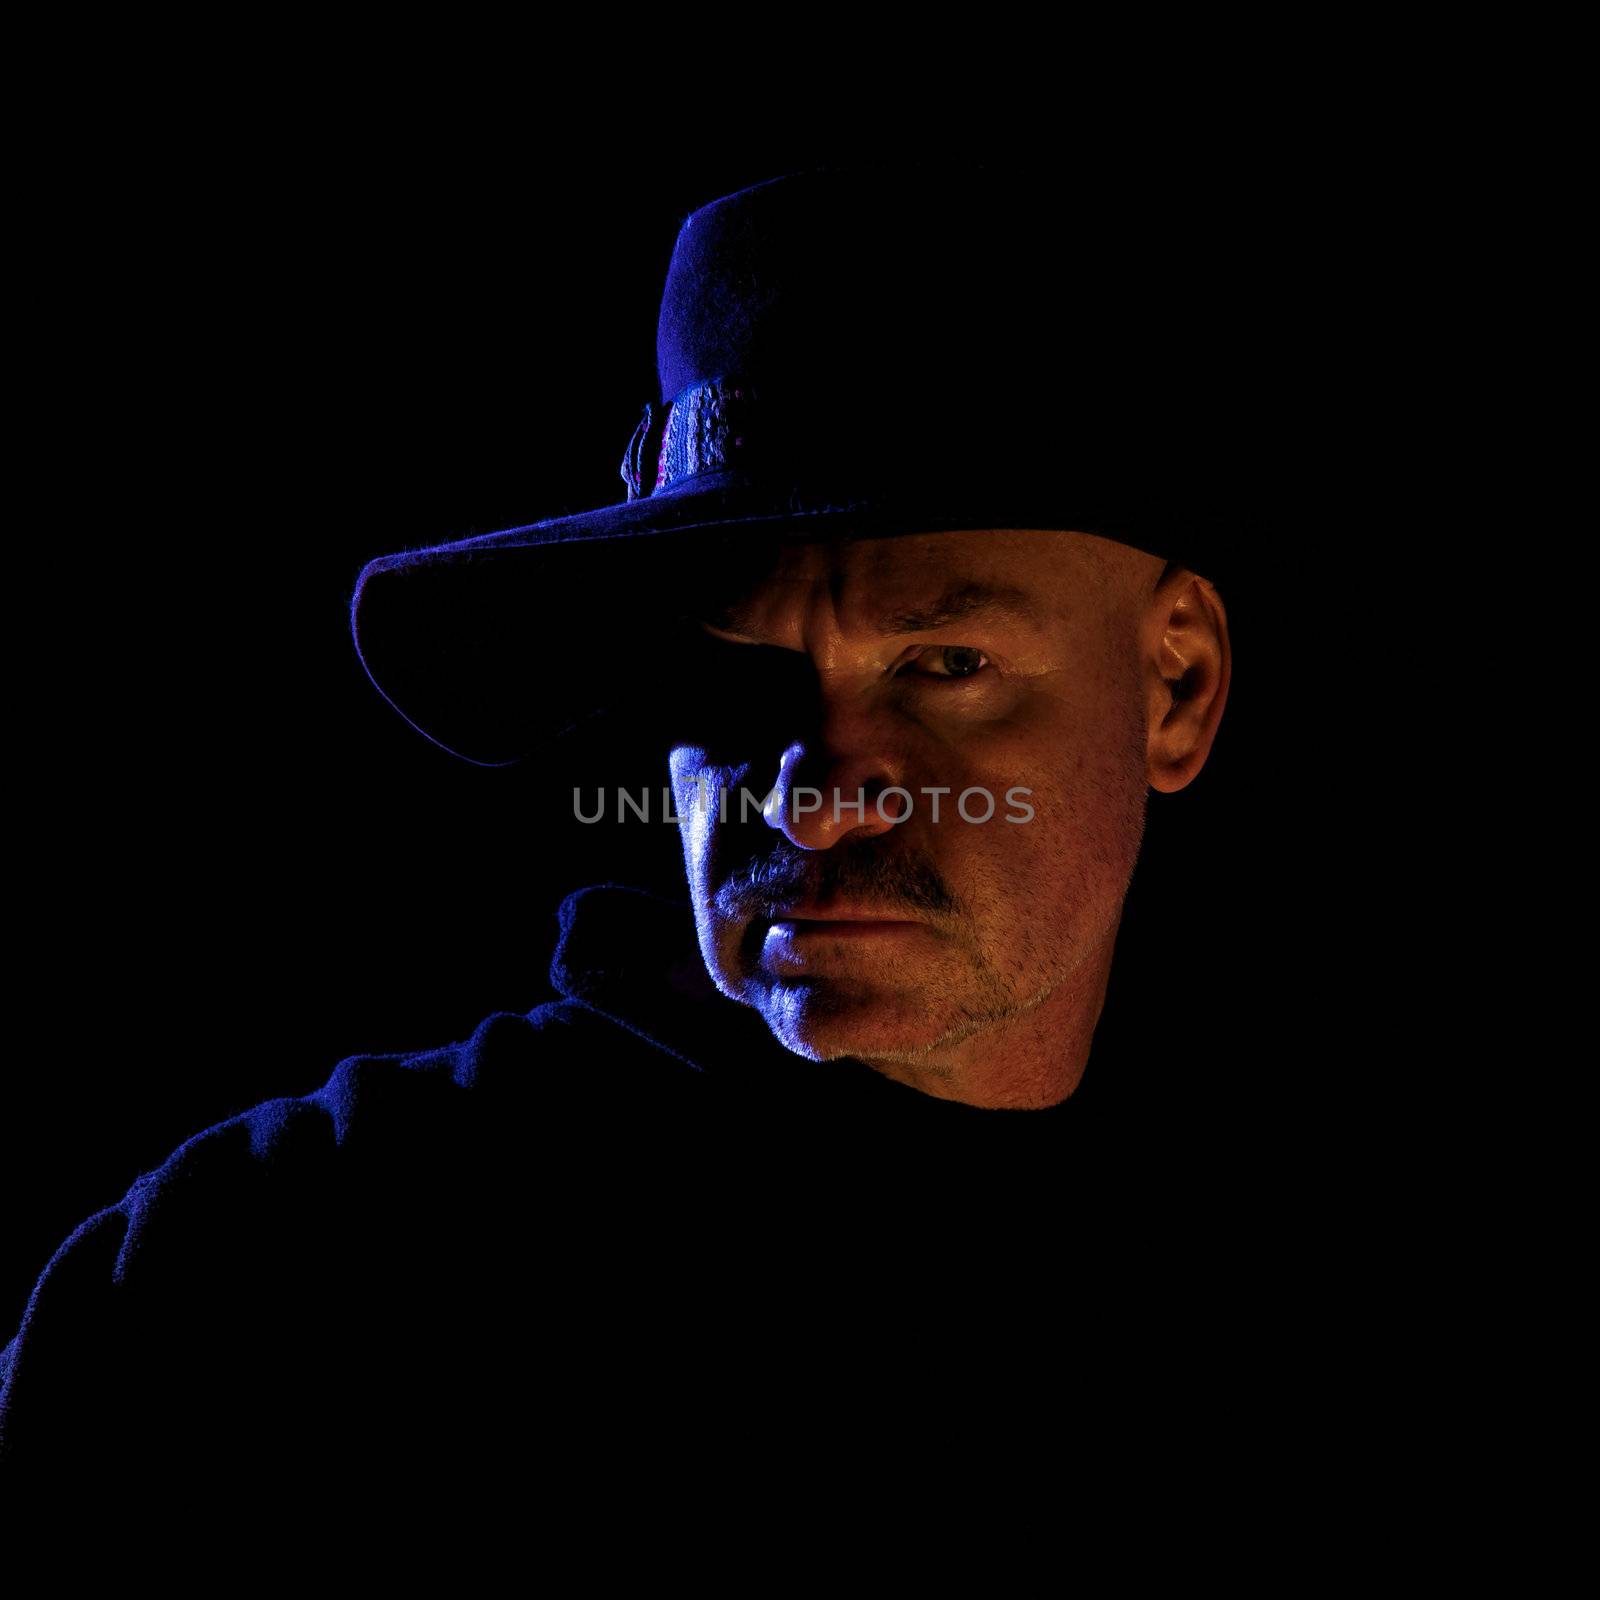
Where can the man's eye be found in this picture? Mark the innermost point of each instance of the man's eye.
(949, 661)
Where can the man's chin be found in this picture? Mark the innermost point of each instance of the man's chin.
(823, 1022)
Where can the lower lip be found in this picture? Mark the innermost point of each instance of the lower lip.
(809, 928)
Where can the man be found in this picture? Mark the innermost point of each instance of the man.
(935, 500)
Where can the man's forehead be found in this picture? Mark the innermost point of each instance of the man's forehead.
(908, 583)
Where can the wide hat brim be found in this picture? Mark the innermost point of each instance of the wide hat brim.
(499, 646)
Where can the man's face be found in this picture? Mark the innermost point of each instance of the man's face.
(1003, 664)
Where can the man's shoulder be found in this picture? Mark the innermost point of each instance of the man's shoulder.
(269, 1248)
(563, 1055)
(514, 1072)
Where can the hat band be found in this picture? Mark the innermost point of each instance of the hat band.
(701, 429)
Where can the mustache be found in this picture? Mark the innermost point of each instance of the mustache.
(862, 873)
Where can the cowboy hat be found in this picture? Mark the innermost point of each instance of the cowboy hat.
(863, 352)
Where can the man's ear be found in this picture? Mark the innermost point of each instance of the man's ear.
(1188, 662)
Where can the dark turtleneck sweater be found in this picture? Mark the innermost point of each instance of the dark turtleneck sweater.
(580, 1219)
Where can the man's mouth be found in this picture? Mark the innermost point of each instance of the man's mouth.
(833, 911)
(810, 922)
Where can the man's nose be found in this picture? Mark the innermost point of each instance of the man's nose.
(821, 798)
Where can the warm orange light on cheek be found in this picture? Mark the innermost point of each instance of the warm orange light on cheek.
(1014, 727)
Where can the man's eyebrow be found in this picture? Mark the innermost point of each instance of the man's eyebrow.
(959, 602)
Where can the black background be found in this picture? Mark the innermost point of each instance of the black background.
(306, 346)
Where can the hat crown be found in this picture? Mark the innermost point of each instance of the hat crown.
(806, 276)
(1005, 319)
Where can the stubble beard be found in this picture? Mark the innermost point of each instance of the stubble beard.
(812, 1016)
(1040, 958)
